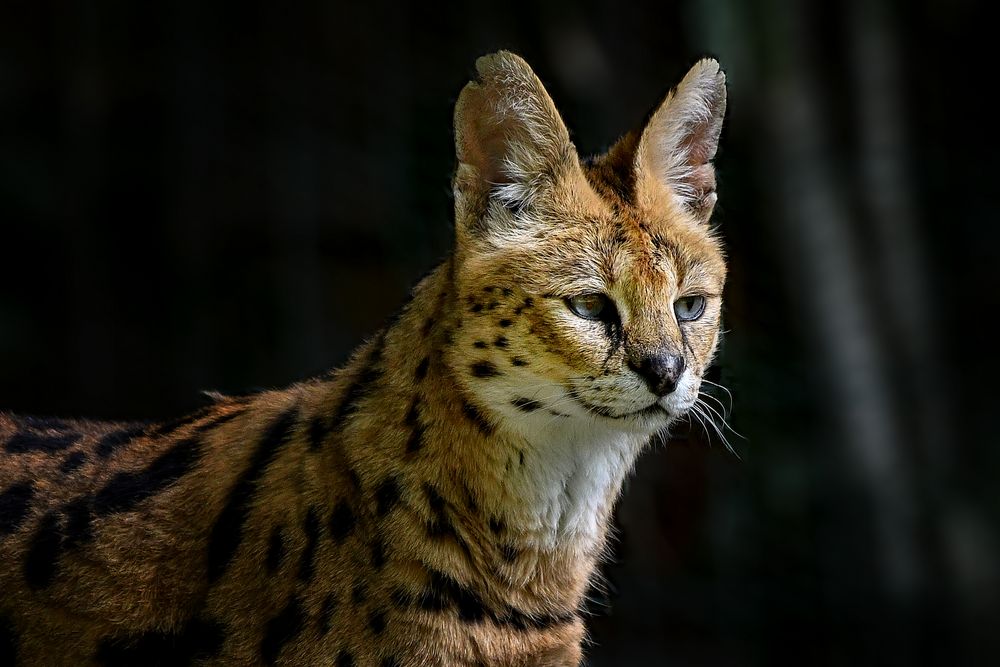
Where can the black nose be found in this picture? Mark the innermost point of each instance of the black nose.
(660, 371)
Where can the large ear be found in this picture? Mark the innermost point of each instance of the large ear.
(509, 138)
(682, 136)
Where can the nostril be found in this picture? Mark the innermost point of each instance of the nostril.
(660, 371)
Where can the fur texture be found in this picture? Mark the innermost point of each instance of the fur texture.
(445, 497)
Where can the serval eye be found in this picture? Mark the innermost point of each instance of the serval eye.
(592, 306)
(689, 308)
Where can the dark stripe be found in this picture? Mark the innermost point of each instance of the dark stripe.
(275, 550)
(505, 322)
(484, 369)
(477, 418)
(318, 433)
(40, 563)
(168, 428)
(509, 552)
(15, 502)
(326, 613)
(360, 387)
(73, 462)
(280, 630)
(8, 642)
(307, 564)
(197, 640)
(227, 533)
(111, 442)
(444, 593)
(416, 440)
(421, 372)
(526, 404)
(25, 442)
(342, 522)
(79, 522)
(386, 496)
(359, 593)
(378, 552)
(128, 489)
(219, 420)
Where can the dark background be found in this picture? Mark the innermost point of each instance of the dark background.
(199, 196)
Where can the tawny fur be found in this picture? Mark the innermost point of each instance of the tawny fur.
(445, 497)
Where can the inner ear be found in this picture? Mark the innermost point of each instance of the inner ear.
(509, 138)
(681, 139)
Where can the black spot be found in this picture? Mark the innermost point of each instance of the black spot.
(318, 433)
(484, 369)
(25, 442)
(378, 552)
(421, 371)
(127, 489)
(312, 529)
(198, 640)
(439, 524)
(480, 344)
(476, 417)
(275, 550)
(489, 290)
(359, 593)
(391, 661)
(8, 642)
(501, 342)
(476, 308)
(520, 457)
(15, 502)
(497, 525)
(518, 361)
(505, 322)
(342, 522)
(509, 552)
(40, 563)
(73, 462)
(79, 519)
(345, 658)
(526, 404)
(492, 305)
(227, 533)
(386, 496)
(508, 291)
(280, 630)
(111, 442)
(376, 621)
(326, 610)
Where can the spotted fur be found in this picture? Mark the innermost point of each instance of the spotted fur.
(443, 499)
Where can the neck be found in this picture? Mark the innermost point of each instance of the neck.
(551, 479)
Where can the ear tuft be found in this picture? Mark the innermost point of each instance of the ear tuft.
(682, 136)
(507, 130)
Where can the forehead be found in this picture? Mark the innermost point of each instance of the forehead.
(617, 240)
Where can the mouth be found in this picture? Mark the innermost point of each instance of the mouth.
(650, 410)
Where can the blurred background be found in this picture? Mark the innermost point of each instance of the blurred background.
(199, 196)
